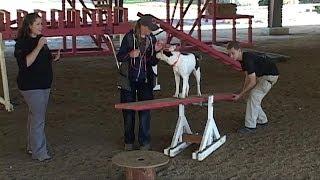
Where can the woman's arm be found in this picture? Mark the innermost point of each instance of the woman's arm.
(31, 57)
(20, 54)
(123, 54)
(152, 55)
(24, 58)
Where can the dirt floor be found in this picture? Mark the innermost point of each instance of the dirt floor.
(85, 131)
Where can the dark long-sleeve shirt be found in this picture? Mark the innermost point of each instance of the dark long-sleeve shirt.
(39, 74)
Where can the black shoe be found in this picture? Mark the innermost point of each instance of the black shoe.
(128, 147)
(246, 130)
(50, 152)
(44, 158)
(29, 152)
(262, 125)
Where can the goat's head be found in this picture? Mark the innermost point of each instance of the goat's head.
(168, 54)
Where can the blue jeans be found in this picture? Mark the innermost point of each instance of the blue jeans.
(139, 91)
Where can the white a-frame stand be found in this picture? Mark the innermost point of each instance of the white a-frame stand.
(183, 136)
(6, 99)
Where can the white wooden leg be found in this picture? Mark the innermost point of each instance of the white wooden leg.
(177, 145)
(155, 71)
(6, 99)
(201, 155)
(211, 138)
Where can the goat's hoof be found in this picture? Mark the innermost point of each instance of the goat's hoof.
(182, 96)
(176, 96)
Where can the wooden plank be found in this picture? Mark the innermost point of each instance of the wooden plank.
(236, 16)
(169, 102)
(192, 138)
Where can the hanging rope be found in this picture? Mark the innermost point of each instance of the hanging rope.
(113, 50)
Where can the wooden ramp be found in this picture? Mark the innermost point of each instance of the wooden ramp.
(201, 46)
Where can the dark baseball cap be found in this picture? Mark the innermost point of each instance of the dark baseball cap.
(149, 21)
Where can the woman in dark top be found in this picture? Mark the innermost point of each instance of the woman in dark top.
(137, 55)
(34, 81)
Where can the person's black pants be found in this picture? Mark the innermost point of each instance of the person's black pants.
(139, 91)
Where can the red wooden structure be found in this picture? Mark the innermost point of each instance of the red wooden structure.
(73, 22)
(215, 16)
(108, 19)
(211, 5)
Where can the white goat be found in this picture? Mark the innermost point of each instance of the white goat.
(183, 64)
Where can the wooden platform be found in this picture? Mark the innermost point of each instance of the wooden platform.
(169, 102)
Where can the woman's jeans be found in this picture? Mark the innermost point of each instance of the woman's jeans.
(139, 91)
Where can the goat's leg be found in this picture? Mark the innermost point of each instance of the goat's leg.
(197, 75)
(177, 80)
(187, 89)
(187, 86)
(184, 86)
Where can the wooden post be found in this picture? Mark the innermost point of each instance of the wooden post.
(250, 31)
(234, 30)
(275, 18)
(214, 22)
(199, 24)
(181, 15)
(168, 19)
(275, 13)
(6, 99)
(182, 21)
(121, 12)
(2, 24)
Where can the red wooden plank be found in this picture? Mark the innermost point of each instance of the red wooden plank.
(169, 102)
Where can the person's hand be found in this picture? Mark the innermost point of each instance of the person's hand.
(159, 45)
(57, 56)
(235, 97)
(42, 42)
(134, 53)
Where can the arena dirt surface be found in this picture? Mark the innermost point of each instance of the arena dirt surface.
(85, 131)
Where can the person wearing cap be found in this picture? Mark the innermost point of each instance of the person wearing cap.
(137, 55)
(260, 76)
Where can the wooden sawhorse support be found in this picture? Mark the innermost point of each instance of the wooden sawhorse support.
(183, 136)
(5, 100)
